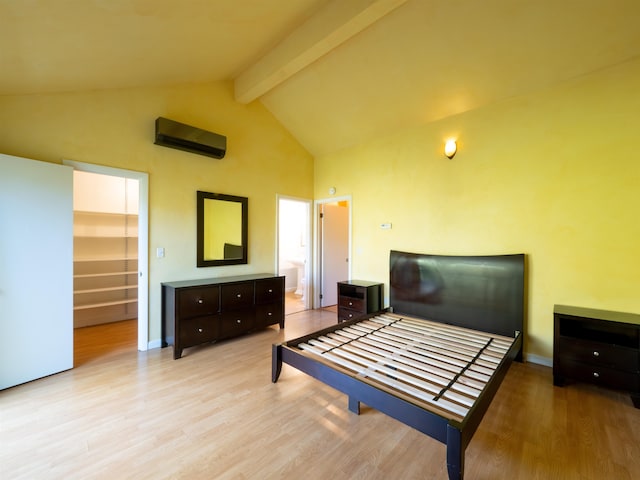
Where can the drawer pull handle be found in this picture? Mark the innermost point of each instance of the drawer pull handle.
(238, 321)
(271, 290)
(596, 375)
(350, 315)
(200, 301)
(239, 295)
(350, 304)
(596, 354)
(200, 330)
(269, 314)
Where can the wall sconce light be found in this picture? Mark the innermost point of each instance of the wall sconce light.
(450, 148)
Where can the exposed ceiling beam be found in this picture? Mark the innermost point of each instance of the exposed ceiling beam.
(332, 25)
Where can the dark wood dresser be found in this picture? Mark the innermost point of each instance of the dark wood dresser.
(597, 346)
(357, 298)
(207, 310)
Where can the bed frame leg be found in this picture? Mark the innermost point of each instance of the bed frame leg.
(276, 362)
(354, 405)
(455, 454)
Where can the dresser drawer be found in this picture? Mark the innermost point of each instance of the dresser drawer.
(600, 375)
(193, 302)
(352, 303)
(197, 330)
(269, 290)
(600, 354)
(269, 314)
(236, 323)
(236, 295)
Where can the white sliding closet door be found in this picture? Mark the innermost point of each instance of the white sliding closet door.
(36, 269)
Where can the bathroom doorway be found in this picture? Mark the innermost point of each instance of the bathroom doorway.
(294, 251)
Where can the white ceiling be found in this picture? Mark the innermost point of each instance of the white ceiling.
(335, 73)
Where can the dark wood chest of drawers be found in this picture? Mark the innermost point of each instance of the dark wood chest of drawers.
(357, 298)
(597, 346)
(201, 311)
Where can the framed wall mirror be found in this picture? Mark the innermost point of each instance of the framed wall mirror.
(222, 229)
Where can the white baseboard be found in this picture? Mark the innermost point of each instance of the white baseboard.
(547, 362)
(154, 344)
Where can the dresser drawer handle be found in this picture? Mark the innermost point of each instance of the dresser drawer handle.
(238, 321)
(350, 315)
(271, 290)
(596, 375)
(200, 330)
(351, 304)
(200, 301)
(596, 354)
(269, 314)
(239, 295)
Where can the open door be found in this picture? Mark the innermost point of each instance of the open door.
(334, 249)
(36, 269)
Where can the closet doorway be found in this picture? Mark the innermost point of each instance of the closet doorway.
(294, 251)
(110, 260)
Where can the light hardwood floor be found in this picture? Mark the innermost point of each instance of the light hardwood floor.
(215, 414)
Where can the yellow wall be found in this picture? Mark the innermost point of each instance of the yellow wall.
(555, 175)
(116, 128)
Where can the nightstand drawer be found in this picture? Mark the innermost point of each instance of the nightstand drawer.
(352, 303)
(193, 302)
(348, 314)
(600, 354)
(600, 375)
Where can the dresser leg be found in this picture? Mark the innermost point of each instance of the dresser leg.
(558, 381)
(635, 398)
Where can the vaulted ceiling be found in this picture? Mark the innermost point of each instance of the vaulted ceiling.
(335, 73)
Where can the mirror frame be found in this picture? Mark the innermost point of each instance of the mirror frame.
(204, 223)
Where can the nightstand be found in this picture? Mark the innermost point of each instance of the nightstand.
(597, 346)
(357, 298)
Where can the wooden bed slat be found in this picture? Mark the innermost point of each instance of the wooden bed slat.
(390, 382)
(384, 349)
(397, 360)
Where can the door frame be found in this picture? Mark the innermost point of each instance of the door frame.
(317, 244)
(143, 239)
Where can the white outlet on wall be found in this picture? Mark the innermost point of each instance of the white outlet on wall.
(160, 252)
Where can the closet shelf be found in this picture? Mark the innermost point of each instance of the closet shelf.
(106, 289)
(105, 304)
(104, 259)
(91, 213)
(115, 236)
(106, 274)
(105, 267)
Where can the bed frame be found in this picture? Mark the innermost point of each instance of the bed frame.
(436, 358)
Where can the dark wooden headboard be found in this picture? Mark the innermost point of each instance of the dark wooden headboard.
(479, 292)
